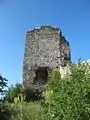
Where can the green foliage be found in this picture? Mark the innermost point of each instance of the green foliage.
(5, 113)
(13, 92)
(21, 110)
(26, 111)
(3, 84)
(69, 98)
(4, 109)
(32, 94)
(65, 98)
(29, 94)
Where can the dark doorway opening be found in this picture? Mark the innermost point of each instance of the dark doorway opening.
(41, 75)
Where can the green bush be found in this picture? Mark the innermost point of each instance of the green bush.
(26, 111)
(30, 94)
(13, 92)
(5, 113)
(68, 98)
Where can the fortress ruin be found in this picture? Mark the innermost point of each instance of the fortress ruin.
(45, 49)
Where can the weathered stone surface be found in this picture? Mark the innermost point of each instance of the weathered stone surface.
(45, 49)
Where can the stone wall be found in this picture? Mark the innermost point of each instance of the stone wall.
(45, 49)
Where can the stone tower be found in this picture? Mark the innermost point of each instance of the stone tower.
(45, 49)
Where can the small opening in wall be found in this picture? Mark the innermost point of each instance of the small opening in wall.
(41, 75)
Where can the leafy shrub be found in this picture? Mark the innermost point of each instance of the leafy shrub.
(5, 113)
(26, 111)
(13, 92)
(30, 94)
(68, 98)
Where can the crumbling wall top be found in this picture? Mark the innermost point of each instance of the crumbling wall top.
(43, 28)
(49, 28)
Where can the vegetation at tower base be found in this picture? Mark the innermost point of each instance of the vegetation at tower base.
(64, 98)
(69, 98)
(13, 92)
(29, 94)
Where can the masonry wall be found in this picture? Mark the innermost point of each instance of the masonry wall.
(44, 48)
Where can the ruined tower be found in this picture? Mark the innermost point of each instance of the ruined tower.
(45, 49)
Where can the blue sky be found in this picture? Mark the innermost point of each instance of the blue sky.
(17, 16)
